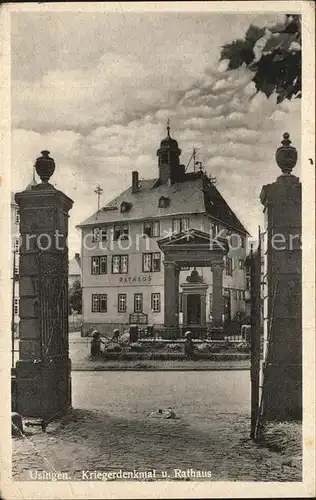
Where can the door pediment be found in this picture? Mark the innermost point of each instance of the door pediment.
(193, 239)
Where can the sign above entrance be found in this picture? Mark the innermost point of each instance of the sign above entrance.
(129, 280)
(138, 319)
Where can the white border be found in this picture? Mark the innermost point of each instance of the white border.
(18, 490)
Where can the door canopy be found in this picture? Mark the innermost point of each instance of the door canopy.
(194, 248)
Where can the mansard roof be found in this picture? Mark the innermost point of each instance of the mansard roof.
(194, 195)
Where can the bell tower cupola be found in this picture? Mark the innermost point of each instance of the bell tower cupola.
(168, 159)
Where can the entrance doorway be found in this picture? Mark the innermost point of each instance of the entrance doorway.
(227, 307)
(194, 309)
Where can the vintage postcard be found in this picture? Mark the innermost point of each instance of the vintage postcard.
(158, 257)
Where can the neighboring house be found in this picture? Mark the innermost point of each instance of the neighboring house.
(74, 270)
(15, 246)
(122, 266)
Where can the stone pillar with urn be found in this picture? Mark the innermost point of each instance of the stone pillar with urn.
(282, 376)
(43, 372)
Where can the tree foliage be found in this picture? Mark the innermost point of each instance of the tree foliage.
(274, 56)
(75, 298)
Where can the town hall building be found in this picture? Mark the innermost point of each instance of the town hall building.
(127, 274)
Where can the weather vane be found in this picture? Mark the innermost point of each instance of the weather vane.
(168, 126)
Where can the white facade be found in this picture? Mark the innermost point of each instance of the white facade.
(123, 275)
(117, 293)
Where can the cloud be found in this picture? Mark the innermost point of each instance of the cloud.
(100, 105)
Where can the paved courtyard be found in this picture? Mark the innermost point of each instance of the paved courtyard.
(111, 429)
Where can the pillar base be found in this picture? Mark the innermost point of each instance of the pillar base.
(282, 392)
(44, 388)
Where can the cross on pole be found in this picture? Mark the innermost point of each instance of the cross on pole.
(98, 190)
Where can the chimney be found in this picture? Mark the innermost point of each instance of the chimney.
(134, 182)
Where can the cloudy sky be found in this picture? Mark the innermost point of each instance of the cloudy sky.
(96, 89)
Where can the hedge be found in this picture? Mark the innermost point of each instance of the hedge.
(169, 356)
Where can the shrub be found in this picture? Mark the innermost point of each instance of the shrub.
(243, 347)
(112, 347)
(174, 347)
(202, 347)
(137, 346)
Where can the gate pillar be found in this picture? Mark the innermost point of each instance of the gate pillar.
(43, 372)
(282, 390)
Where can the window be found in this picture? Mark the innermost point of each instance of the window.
(16, 244)
(17, 306)
(121, 302)
(96, 234)
(229, 266)
(95, 265)
(17, 216)
(241, 264)
(180, 225)
(155, 302)
(242, 241)
(163, 202)
(103, 264)
(125, 206)
(99, 234)
(99, 302)
(104, 234)
(16, 269)
(211, 302)
(99, 265)
(138, 302)
(151, 262)
(120, 231)
(214, 228)
(180, 302)
(152, 229)
(120, 264)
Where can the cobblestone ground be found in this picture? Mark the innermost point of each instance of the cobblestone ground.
(112, 430)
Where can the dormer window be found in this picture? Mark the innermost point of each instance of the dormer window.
(125, 206)
(163, 202)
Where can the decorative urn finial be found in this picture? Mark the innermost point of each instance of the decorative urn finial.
(286, 155)
(194, 277)
(45, 166)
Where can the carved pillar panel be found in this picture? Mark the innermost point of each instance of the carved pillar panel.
(218, 299)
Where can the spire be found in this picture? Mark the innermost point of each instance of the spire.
(33, 182)
(168, 128)
(168, 158)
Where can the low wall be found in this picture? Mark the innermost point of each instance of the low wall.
(106, 328)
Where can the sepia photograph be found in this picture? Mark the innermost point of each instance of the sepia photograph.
(158, 220)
